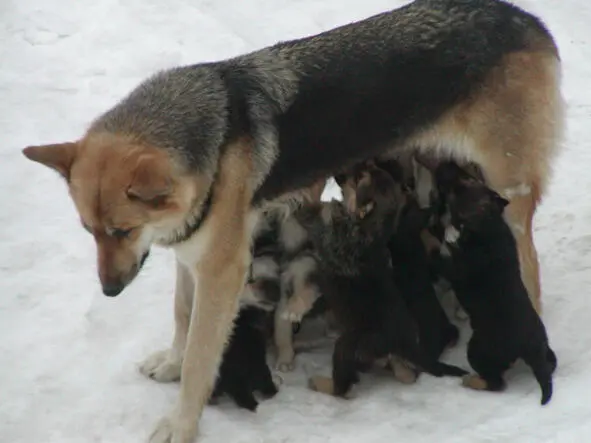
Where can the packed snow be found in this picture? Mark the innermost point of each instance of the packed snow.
(69, 355)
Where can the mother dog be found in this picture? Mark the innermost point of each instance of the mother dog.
(191, 155)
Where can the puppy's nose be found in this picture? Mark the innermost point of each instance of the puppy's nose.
(112, 289)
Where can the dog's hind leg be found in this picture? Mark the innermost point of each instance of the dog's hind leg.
(490, 370)
(517, 126)
(165, 365)
(344, 369)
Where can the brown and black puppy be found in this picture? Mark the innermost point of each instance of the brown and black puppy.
(479, 258)
(244, 368)
(411, 270)
(373, 318)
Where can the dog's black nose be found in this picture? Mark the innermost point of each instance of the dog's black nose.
(112, 290)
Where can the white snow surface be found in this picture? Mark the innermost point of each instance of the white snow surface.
(69, 355)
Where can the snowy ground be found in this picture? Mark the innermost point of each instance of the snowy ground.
(68, 355)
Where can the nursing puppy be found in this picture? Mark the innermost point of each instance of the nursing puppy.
(411, 270)
(371, 314)
(479, 258)
(190, 155)
(244, 368)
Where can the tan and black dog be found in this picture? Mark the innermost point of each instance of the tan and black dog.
(190, 155)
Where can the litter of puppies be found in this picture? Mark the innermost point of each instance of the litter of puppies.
(371, 265)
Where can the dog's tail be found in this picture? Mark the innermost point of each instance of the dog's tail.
(543, 363)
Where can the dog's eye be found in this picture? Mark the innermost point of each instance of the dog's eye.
(118, 233)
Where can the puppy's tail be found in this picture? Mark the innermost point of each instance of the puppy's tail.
(543, 363)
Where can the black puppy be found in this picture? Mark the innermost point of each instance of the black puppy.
(244, 368)
(412, 271)
(479, 258)
(374, 321)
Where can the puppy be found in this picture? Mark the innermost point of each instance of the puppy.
(301, 280)
(412, 271)
(479, 258)
(366, 303)
(244, 367)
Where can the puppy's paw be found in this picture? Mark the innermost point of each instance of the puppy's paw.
(473, 381)
(285, 366)
(168, 431)
(321, 384)
(460, 314)
(403, 372)
(295, 309)
(162, 367)
(451, 234)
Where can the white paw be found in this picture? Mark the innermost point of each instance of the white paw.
(285, 362)
(162, 367)
(460, 314)
(295, 309)
(163, 432)
(451, 234)
(292, 317)
(167, 431)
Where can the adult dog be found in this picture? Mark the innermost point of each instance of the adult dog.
(189, 157)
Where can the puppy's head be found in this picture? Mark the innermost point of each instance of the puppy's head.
(128, 195)
(471, 204)
(473, 207)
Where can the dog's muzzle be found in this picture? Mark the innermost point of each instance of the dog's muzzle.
(114, 288)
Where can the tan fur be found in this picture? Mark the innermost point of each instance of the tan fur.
(511, 129)
(324, 385)
(402, 370)
(474, 382)
(220, 272)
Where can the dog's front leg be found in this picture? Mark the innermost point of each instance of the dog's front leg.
(216, 305)
(165, 366)
(283, 334)
(219, 257)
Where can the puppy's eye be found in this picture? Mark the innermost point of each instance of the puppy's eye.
(118, 233)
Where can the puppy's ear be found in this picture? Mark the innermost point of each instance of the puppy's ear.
(151, 182)
(59, 156)
(501, 202)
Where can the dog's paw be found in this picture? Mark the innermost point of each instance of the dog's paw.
(321, 384)
(162, 367)
(168, 431)
(460, 314)
(473, 381)
(451, 234)
(403, 373)
(295, 309)
(285, 361)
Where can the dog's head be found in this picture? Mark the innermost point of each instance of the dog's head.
(128, 195)
(470, 203)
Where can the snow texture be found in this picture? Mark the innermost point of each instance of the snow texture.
(69, 355)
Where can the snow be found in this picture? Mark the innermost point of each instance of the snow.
(69, 355)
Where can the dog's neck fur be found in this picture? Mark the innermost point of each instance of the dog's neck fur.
(191, 224)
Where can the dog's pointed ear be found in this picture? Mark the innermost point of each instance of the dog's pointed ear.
(59, 156)
(151, 182)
